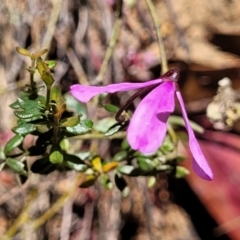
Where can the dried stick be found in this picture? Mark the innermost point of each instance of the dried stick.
(157, 24)
(112, 42)
(59, 204)
(22, 218)
(52, 24)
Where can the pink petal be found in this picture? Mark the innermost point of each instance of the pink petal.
(84, 93)
(148, 127)
(200, 165)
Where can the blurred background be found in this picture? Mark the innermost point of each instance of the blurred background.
(202, 39)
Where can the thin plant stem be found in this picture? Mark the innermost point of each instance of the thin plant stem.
(32, 75)
(173, 136)
(89, 136)
(157, 24)
(48, 96)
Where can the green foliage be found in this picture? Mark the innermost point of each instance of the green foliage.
(54, 119)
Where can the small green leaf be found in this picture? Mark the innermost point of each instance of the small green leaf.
(24, 129)
(83, 155)
(89, 181)
(125, 144)
(125, 169)
(167, 145)
(23, 51)
(51, 63)
(15, 105)
(65, 144)
(12, 143)
(56, 94)
(105, 181)
(70, 122)
(145, 164)
(181, 172)
(41, 66)
(113, 129)
(16, 166)
(56, 157)
(29, 113)
(75, 106)
(111, 108)
(104, 124)
(176, 120)
(75, 166)
(28, 104)
(39, 53)
(120, 156)
(47, 78)
(73, 158)
(34, 118)
(151, 181)
(81, 128)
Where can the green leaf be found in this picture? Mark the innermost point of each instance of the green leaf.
(175, 120)
(104, 124)
(15, 105)
(51, 63)
(12, 143)
(83, 155)
(2, 159)
(24, 129)
(27, 104)
(111, 108)
(125, 169)
(56, 95)
(34, 118)
(181, 172)
(125, 144)
(56, 157)
(75, 166)
(70, 122)
(41, 66)
(73, 158)
(167, 145)
(65, 144)
(75, 106)
(105, 181)
(120, 156)
(29, 113)
(23, 51)
(146, 164)
(47, 78)
(39, 53)
(151, 181)
(57, 98)
(113, 129)
(16, 166)
(81, 128)
(89, 181)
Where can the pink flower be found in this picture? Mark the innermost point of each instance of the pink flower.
(148, 125)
